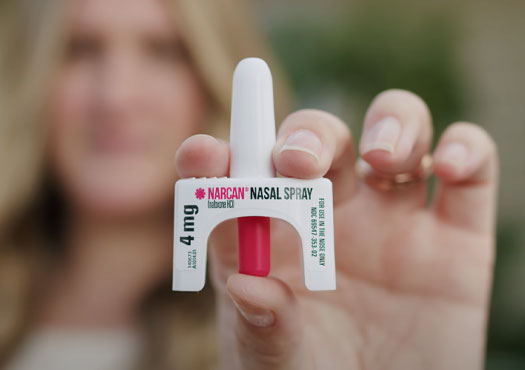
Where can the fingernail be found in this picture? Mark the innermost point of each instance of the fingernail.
(256, 316)
(304, 141)
(383, 135)
(455, 155)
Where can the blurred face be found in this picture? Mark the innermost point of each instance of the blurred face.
(124, 99)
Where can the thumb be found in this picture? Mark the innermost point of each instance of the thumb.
(269, 326)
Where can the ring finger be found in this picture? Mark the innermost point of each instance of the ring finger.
(396, 135)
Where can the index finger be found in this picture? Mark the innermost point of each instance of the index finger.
(202, 156)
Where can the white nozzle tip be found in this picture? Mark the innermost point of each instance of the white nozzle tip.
(252, 67)
(252, 128)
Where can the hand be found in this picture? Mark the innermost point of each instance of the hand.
(413, 281)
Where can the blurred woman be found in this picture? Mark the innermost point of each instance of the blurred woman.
(97, 95)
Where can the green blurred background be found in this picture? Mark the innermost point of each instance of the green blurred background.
(466, 59)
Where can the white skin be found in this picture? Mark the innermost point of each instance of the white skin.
(124, 99)
(413, 280)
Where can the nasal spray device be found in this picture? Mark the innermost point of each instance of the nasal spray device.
(253, 195)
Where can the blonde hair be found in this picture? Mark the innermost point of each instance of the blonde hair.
(218, 34)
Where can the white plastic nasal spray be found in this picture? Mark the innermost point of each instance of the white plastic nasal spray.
(253, 195)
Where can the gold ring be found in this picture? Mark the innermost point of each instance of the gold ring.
(386, 182)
